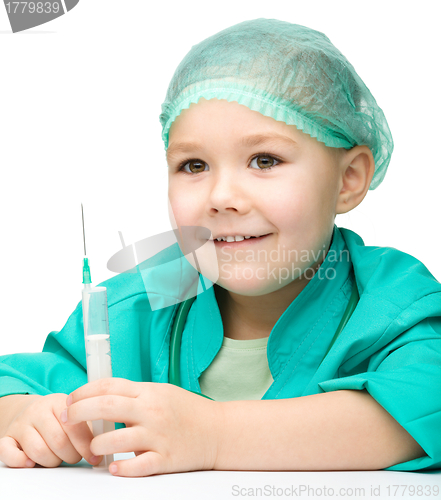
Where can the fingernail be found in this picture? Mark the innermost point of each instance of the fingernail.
(63, 416)
(69, 401)
(93, 459)
(113, 469)
(29, 463)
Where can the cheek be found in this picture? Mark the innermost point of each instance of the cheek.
(182, 204)
(183, 212)
(288, 202)
(300, 208)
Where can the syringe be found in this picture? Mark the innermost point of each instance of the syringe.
(97, 341)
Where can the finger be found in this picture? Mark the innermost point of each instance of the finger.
(146, 464)
(35, 447)
(81, 436)
(116, 386)
(70, 443)
(12, 455)
(120, 441)
(112, 408)
(57, 440)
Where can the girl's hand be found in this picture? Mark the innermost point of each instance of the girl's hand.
(170, 429)
(36, 433)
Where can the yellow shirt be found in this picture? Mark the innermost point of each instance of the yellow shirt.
(239, 371)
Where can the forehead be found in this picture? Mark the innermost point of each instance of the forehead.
(221, 116)
(244, 142)
(235, 124)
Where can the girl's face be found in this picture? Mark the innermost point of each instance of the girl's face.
(222, 182)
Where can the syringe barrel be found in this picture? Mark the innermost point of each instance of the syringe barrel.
(98, 356)
(96, 333)
(99, 364)
(95, 316)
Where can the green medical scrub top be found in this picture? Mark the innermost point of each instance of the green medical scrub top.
(391, 345)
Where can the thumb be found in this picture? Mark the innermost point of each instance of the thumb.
(12, 454)
(145, 464)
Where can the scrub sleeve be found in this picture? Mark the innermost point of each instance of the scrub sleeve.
(403, 367)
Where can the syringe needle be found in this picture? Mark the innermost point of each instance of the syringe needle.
(86, 270)
(84, 236)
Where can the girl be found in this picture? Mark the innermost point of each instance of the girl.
(269, 134)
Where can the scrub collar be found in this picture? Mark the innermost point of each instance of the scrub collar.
(305, 322)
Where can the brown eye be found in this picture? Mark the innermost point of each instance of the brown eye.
(195, 166)
(264, 161)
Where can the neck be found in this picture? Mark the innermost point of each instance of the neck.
(247, 318)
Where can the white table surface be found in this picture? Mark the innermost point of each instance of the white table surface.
(82, 482)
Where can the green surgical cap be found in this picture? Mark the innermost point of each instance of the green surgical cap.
(290, 73)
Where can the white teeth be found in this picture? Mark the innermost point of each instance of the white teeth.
(234, 238)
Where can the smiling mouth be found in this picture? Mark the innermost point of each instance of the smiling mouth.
(250, 241)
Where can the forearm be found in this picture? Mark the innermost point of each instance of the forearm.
(341, 430)
(10, 406)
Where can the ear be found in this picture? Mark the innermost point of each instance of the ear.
(357, 168)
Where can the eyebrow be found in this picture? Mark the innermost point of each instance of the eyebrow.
(248, 141)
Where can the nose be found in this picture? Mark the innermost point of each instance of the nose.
(226, 192)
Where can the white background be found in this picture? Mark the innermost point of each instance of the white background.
(80, 99)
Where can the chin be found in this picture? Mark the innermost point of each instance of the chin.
(249, 287)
